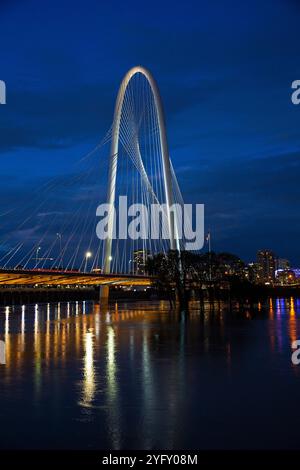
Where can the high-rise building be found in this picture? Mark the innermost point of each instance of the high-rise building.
(139, 262)
(283, 263)
(285, 276)
(267, 264)
(252, 272)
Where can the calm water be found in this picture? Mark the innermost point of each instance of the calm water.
(141, 377)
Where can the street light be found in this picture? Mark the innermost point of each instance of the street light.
(37, 256)
(60, 250)
(87, 256)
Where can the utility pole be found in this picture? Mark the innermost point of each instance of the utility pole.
(60, 250)
(37, 256)
(209, 253)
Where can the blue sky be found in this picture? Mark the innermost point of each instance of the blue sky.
(224, 70)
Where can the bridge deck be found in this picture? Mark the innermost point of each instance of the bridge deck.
(16, 277)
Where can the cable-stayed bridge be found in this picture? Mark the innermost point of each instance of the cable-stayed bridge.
(63, 278)
(54, 241)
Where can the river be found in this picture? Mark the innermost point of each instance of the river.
(141, 377)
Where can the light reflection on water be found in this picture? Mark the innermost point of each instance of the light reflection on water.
(139, 376)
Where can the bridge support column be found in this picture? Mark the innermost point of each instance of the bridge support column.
(104, 295)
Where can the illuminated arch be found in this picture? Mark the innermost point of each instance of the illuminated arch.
(174, 243)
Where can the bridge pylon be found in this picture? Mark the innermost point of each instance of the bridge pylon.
(166, 168)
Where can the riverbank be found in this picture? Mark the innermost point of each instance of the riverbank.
(44, 295)
(251, 293)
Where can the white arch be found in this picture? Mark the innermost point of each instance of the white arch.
(174, 242)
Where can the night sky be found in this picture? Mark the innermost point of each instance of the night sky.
(224, 70)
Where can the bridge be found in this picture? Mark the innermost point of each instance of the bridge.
(60, 243)
(16, 277)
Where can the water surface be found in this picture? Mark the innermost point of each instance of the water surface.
(141, 377)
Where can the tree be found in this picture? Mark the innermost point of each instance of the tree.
(168, 275)
(184, 271)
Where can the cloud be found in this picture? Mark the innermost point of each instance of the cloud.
(55, 119)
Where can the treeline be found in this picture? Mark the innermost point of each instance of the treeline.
(209, 275)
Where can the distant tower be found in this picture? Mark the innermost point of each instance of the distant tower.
(267, 264)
